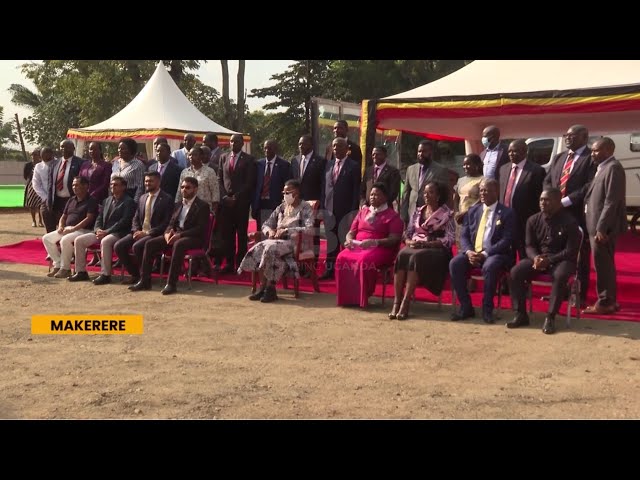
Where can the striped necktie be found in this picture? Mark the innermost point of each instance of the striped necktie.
(565, 174)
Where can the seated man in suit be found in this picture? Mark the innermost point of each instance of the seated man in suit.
(113, 223)
(150, 221)
(552, 244)
(382, 172)
(486, 241)
(186, 230)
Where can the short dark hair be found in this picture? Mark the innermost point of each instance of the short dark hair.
(443, 192)
(475, 159)
(153, 174)
(192, 180)
(344, 123)
(209, 136)
(293, 183)
(553, 192)
(426, 142)
(381, 147)
(81, 180)
(381, 187)
(131, 144)
(120, 180)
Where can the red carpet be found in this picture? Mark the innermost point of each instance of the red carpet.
(627, 262)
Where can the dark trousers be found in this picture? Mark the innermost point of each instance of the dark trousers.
(459, 269)
(584, 269)
(604, 262)
(523, 272)
(234, 222)
(336, 229)
(58, 208)
(48, 218)
(156, 245)
(122, 248)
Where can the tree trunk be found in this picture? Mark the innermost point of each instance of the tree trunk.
(241, 98)
(24, 151)
(225, 94)
(176, 71)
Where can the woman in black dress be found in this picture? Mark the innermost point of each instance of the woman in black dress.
(31, 199)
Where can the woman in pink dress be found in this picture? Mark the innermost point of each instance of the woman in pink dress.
(372, 242)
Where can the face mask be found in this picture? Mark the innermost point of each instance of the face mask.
(288, 198)
(485, 142)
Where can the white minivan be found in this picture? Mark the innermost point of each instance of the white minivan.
(543, 150)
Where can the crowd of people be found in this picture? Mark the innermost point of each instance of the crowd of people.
(507, 218)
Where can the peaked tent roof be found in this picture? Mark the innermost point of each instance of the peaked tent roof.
(524, 98)
(160, 109)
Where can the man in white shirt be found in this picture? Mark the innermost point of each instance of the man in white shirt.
(40, 182)
(182, 154)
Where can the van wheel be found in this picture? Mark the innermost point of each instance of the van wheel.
(634, 223)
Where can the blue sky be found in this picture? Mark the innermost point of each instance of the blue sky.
(257, 75)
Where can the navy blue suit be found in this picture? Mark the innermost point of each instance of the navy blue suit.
(261, 208)
(499, 254)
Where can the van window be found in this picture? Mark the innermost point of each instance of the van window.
(540, 151)
(634, 143)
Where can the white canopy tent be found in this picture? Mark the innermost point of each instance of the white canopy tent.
(160, 109)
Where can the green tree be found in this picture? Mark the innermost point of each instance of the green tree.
(7, 134)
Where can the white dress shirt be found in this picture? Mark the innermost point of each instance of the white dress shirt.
(186, 205)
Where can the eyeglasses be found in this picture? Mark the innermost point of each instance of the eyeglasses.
(185, 187)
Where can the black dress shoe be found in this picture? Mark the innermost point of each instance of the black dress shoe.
(549, 326)
(328, 275)
(258, 295)
(130, 281)
(488, 317)
(102, 280)
(269, 295)
(457, 316)
(520, 320)
(141, 285)
(169, 289)
(79, 277)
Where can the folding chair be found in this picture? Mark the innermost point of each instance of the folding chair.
(546, 280)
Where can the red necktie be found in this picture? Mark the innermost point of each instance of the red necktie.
(376, 171)
(232, 162)
(266, 183)
(510, 185)
(60, 179)
(565, 174)
(336, 171)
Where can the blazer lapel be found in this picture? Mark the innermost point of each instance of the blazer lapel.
(524, 175)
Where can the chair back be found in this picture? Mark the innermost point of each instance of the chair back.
(210, 225)
(305, 241)
(580, 245)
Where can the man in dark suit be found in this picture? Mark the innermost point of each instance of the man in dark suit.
(486, 241)
(341, 130)
(63, 171)
(169, 171)
(340, 195)
(113, 222)
(494, 155)
(150, 221)
(382, 172)
(606, 217)
(572, 171)
(237, 177)
(552, 244)
(187, 229)
(210, 139)
(272, 173)
(520, 188)
(418, 175)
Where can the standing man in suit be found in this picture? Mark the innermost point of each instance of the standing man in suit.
(63, 171)
(381, 172)
(182, 154)
(113, 223)
(486, 241)
(340, 198)
(237, 185)
(494, 156)
(309, 170)
(572, 172)
(168, 170)
(272, 173)
(341, 130)
(520, 188)
(418, 175)
(553, 241)
(606, 217)
(150, 220)
(210, 139)
(186, 230)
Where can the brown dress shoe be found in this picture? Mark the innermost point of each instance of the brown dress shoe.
(600, 309)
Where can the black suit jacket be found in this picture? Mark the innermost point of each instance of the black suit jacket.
(162, 210)
(526, 195)
(345, 190)
(170, 181)
(116, 217)
(580, 178)
(389, 175)
(195, 225)
(280, 173)
(311, 182)
(241, 182)
(74, 171)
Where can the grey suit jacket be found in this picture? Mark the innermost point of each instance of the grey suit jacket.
(413, 196)
(605, 206)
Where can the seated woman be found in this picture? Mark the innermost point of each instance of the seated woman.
(272, 256)
(371, 242)
(425, 259)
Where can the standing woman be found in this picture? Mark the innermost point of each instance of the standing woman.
(98, 172)
(129, 167)
(466, 193)
(31, 199)
(425, 259)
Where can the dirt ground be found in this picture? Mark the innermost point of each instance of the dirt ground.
(211, 353)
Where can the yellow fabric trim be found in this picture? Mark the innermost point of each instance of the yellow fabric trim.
(364, 124)
(79, 133)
